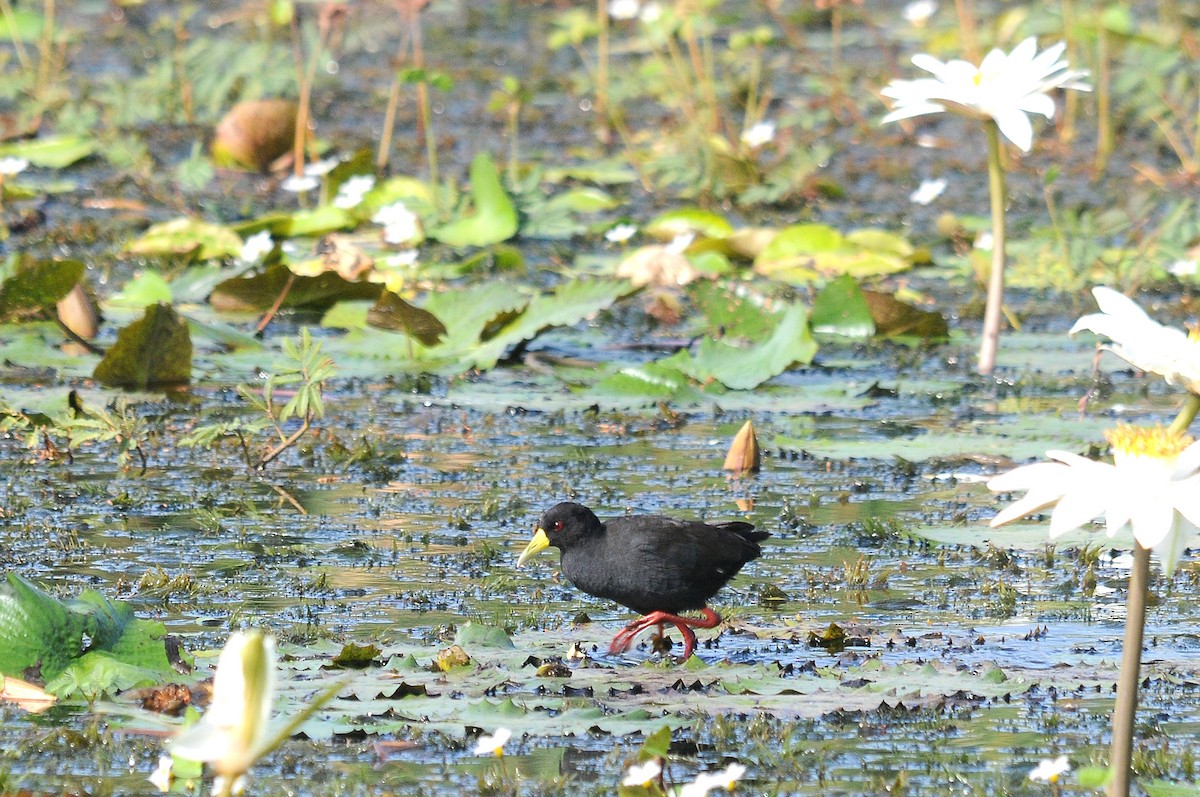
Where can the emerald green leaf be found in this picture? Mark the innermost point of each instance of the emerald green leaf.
(745, 368)
(841, 309)
(37, 631)
(495, 216)
(685, 220)
(479, 635)
(154, 350)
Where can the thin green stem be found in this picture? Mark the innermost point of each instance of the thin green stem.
(45, 48)
(602, 58)
(1127, 679)
(995, 293)
(1186, 415)
(18, 46)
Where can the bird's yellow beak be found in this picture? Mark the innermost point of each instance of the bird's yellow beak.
(539, 542)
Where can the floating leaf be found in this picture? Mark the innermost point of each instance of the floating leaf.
(804, 253)
(55, 152)
(254, 133)
(841, 309)
(87, 646)
(656, 265)
(494, 218)
(685, 220)
(582, 200)
(745, 368)
(38, 284)
(392, 312)
(155, 350)
(262, 290)
(480, 635)
(187, 236)
(356, 657)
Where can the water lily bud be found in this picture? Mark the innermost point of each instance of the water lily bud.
(744, 456)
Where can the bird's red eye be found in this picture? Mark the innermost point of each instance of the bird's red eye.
(558, 525)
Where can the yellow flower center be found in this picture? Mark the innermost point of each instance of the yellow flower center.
(1144, 441)
(1193, 331)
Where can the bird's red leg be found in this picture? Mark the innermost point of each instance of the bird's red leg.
(624, 639)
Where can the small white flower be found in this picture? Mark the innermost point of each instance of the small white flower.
(299, 184)
(1184, 268)
(620, 233)
(1050, 770)
(1143, 342)
(680, 243)
(494, 744)
(162, 775)
(758, 134)
(651, 13)
(984, 242)
(1005, 87)
(350, 193)
(624, 9)
(11, 166)
(232, 734)
(707, 781)
(928, 191)
(642, 774)
(1153, 486)
(406, 258)
(256, 247)
(400, 225)
(320, 168)
(918, 12)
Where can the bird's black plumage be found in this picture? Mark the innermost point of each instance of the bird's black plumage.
(648, 563)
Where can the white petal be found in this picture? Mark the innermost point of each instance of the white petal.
(1116, 303)
(1185, 496)
(1188, 462)
(1016, 127)
(1040, 474)
(1076, 508)
(1153, 520)
(1038, 103)
(909, 111)
(1170, 550)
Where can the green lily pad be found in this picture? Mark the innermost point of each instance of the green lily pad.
(743, 368)
(841, 309)
(685, 220)
(187, 236)
(54, 152)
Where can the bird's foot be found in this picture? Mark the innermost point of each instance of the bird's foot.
(623, 640)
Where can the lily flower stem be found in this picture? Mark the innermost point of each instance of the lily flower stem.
(602, 59)
(1127, 679)
(995, 292)
(1186, 415)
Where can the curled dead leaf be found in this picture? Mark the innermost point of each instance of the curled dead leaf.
(25, 695)
(78, 313)
(744, 456)
(657, 265)
(340, 254)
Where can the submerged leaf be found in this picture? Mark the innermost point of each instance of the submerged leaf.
(894, 318)
(154, 350)
(392, 312)
(260, 291)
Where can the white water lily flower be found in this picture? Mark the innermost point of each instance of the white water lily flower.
(494, 744)
(350, 193)
(642, 774)
(232, 734)
(651, 13)
(1184, 268)
(759, 134)
(400, 225)
(1153, 486)
(1143, 342)
(256, 247)
(1050, 770)
(1005, 87)
(10, 166)
(680, 243)
(624, 9)
(620, 233)
(918, 12)
(928, 191)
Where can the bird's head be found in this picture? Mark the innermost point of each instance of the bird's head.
(562, 525)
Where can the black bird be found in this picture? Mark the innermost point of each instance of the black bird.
(658, 566)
